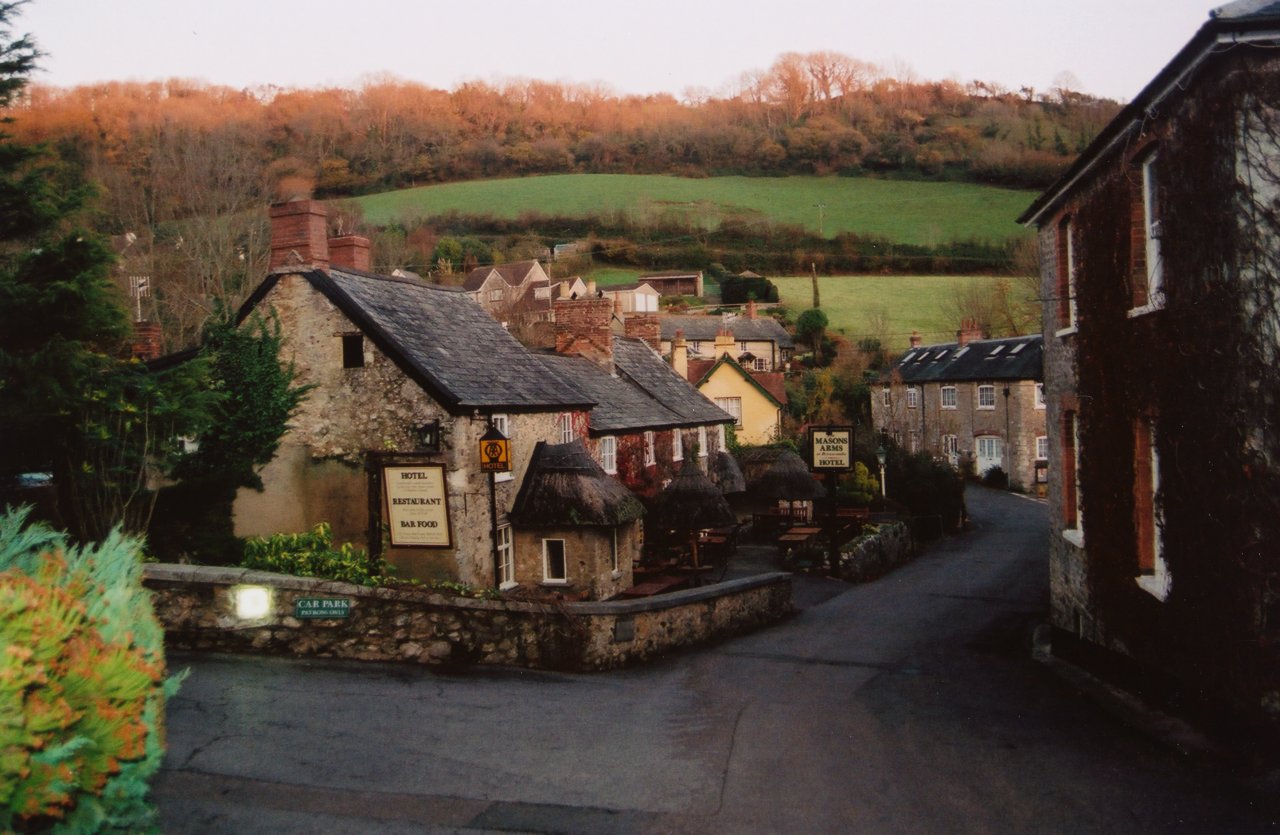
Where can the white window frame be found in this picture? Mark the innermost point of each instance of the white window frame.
(547, 579)
(565, 425)
(1157, 582)
(677, 445)
(951, 448)
(886, 397)
(1151, 235)
(913, 397)
(1040, 401)
(503, 424)
(1072, 317)
(948, 397)
(1075, 534)
(703, 450)
(506, 558)
(732, 405)
(650, 449)
(982, 389)
(495, 295)
(721, 445)
(609, 454)
(761, 364)
(1042, 447)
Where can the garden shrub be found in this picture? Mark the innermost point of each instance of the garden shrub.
(82, 683)
(311, 554)
(996, 477)
(927, 488)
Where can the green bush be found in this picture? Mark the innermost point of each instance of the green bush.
(82, 683)
(927, 488)
(312, 554)
(996, 477)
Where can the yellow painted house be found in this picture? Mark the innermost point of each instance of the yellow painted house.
(754, 398)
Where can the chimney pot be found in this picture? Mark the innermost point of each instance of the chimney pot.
(916, 341)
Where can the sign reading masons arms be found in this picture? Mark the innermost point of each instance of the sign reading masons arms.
(831, 448)
(417, 505)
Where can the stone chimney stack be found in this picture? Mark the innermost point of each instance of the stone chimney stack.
(915, 339)
(644, 327)
(724, 343)
(351, 252)
(680, 355)
(969, 332)
(583, 327)
(751, 308)
(299, 236)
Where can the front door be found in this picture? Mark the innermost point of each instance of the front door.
(990, 453)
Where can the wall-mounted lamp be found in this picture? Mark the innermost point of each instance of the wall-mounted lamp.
(429, 436)
(251, 602)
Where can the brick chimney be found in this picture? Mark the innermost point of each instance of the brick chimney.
(299, 235)
(146, 341)
(969, 332)
(680, 355)
(644, 327)
(915, 339)
(583, 327)
(351, 252)
(751, 308)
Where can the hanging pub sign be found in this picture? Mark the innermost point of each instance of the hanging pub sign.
(831, 449)
(495, 452)
(417, 505)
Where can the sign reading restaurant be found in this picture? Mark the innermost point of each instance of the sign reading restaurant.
(417, 506)
(831, 448)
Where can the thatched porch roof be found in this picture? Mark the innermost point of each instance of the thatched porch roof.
(566, 487)
(779, 475)
(691, 502)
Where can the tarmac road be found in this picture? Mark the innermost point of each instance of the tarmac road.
(910, 704)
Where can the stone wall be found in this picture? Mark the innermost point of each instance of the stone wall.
(196, 606)
(873, 555)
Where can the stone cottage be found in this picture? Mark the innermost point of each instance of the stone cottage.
(974, 401)
(1160, 264)
(408, 378)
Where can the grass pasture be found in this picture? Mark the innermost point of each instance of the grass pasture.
(886, 306)
(903, 211)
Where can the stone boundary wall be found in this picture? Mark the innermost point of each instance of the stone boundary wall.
(196, 606)
(876, 554)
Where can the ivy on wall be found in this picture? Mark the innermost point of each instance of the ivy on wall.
(1206, 368)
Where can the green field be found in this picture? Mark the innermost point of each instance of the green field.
(903, 211)
(889, 307)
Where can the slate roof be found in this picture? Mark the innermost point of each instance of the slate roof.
(1016, 358)
(1252, 18)
(442, 340)
(514, 274)
(644, 395)
(641, 365)
(705, 328)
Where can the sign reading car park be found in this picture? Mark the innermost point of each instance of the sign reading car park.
(417, 505)
(831, 448)
(315, 608)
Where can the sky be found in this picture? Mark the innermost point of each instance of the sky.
(1112, 47)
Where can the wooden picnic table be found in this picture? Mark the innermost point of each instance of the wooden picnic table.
(655, 586)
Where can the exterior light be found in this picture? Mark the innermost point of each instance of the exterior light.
(429, 436)
(251, 602)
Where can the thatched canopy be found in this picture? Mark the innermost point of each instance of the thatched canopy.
(779, 475)
(566, 487)
(691, 502)
(724, 472)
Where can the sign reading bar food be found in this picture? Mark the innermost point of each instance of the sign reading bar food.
(417, 506)
(831, 448)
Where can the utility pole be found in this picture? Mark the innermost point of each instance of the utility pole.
(822, 216)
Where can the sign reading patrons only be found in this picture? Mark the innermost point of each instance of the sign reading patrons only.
(831, 448)
(417, 506)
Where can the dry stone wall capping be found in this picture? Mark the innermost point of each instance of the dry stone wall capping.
(196, 605)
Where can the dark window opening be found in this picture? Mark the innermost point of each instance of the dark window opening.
(353, 350)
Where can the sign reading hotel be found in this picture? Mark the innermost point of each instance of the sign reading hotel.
(417, 506)
(831, 448)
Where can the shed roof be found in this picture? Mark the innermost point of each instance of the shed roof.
(443, 341)
(1016, 358)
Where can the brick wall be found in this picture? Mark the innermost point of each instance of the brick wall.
(299, 227)
(583, 327)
